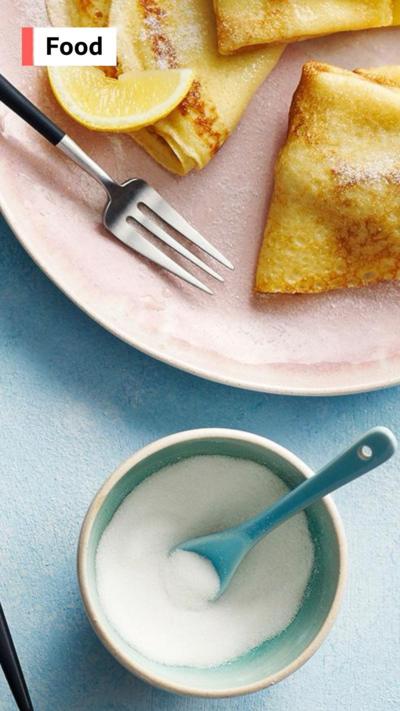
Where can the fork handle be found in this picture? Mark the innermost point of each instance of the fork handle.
(30, 113)
(18, 103)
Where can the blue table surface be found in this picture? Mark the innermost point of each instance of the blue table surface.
(75, 402)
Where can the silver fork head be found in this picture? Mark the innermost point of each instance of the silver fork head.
(125, 208)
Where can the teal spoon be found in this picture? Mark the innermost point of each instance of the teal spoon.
(226, 549)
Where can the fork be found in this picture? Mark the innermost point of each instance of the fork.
(125, 201)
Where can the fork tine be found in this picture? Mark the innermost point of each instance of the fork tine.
(158, 231)
(139, 244)
(164, 210)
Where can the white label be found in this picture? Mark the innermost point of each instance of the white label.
(69, 46)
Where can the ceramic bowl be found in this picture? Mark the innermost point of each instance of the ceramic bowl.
(275, 659)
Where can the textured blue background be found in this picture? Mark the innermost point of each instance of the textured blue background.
(74, 403)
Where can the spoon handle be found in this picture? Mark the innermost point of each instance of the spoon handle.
(371, 450)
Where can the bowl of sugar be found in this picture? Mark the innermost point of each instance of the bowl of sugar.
(154, 611)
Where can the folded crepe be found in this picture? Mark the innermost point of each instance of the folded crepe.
(78, 13)
(334, 218)
(167, 34)
(245, 23)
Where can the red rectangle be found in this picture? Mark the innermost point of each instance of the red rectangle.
(27, 46)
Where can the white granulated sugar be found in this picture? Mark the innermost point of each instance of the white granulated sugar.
(190, 580)
(161, 603)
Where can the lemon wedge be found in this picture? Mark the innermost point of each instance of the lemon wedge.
(134, 100)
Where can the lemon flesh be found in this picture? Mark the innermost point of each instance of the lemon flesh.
(134, 100)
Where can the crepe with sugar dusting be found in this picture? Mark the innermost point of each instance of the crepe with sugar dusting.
(167, 34)
(78, 13)
(245, 23)
(334, 218)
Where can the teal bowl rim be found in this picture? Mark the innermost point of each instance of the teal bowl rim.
(140, 670)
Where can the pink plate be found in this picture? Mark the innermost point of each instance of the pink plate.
(342, 342)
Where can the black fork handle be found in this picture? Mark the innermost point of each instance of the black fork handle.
(12, 668)
(29, 112)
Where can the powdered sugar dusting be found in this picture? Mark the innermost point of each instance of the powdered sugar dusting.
(154, 32)
(189, 34)
(384, 168)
